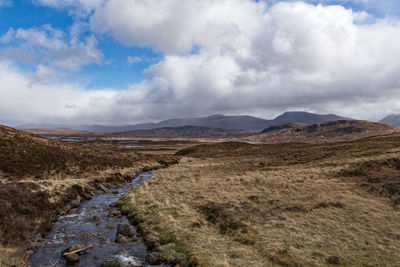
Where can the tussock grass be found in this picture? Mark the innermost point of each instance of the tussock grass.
(11, 257)
(292, 204)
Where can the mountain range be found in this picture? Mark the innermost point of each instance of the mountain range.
(214, 121)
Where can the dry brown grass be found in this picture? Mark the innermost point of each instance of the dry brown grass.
(275, 205)
(11, 257)
(27, 155)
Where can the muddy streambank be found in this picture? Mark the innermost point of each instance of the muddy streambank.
(97, 224)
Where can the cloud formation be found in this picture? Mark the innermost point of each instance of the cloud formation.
(132, 60)
(228, 56)
(46, 45)
(26, 100)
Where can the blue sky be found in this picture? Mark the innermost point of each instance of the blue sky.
(115, 71)
(128, 61)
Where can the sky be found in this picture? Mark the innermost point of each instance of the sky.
(130, 61)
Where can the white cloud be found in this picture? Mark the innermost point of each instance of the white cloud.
(133, 59)
(22, 99)
(47, 37)
(8, 36)
(226, 56)
(44, 73)
(50, 46)
(175, 26)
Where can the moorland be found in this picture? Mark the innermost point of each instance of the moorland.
(288, 195)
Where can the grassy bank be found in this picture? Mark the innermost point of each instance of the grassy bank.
(41, 179)
(234, 204)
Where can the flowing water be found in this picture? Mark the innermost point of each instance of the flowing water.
(91, 225)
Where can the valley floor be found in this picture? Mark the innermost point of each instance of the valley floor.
(235, 204)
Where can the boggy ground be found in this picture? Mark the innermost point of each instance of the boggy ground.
(42, 178)
(236, 204)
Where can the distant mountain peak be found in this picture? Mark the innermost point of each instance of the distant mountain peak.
(392, 119)
(304, 117)
(392, 115)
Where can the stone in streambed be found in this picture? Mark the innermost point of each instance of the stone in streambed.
(71, 259)
(114, 213)
(125, 234)
(76, 202)
(87, 196)
(101, 187)
(125, 230)
(65, 210)
(120, 239)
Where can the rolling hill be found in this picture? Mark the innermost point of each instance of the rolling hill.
(332, 131)
(23, 155)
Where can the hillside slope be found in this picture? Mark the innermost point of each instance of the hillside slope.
(332, 131)
(25, 155)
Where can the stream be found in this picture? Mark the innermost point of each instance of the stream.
(91, 224)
